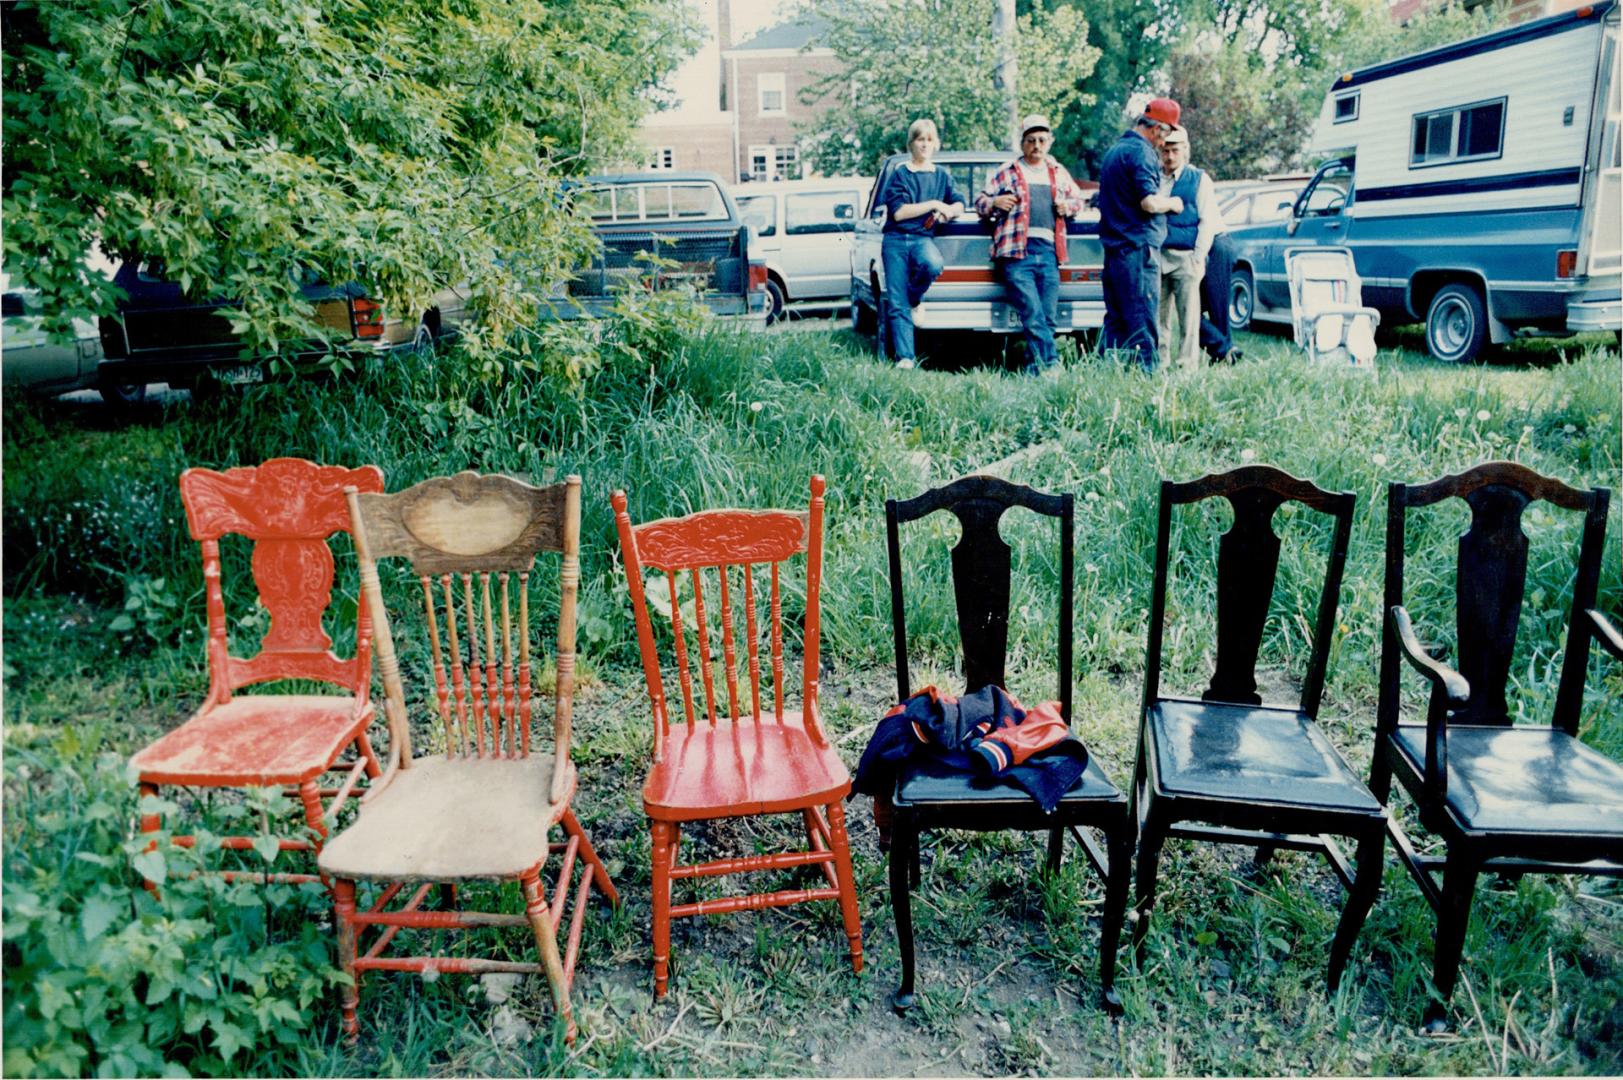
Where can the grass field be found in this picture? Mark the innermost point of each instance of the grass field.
(103, 636)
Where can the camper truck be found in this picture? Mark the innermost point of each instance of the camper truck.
(1478, 186)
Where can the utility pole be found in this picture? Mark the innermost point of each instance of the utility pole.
(1007, 78)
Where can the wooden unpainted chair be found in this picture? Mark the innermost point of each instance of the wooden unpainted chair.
(483, 808)
(288, 508)
(733, 761)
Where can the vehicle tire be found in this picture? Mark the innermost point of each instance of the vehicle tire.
(121, 395)
(1242, 299)
(1456, 324)
(775, 301)
(863, 319)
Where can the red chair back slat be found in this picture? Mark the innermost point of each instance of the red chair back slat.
(288, 508)
(722, 541)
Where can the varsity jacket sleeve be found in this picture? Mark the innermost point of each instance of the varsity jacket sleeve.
(1012, 744)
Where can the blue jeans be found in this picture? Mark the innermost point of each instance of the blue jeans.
(912, 263)
(1132, 281)
(1034, 291)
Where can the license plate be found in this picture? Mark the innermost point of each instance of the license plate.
(241, 375)
(1005, 317)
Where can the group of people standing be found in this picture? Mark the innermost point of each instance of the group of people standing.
(1165, 253)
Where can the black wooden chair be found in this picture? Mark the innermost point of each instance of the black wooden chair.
(1504, 798)
(1250, 773)
(929, 797)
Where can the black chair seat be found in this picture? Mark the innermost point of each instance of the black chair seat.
(1525, 780)
(927, 781)
(1252, 754)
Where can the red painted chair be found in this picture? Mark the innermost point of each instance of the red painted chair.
(483, 806)
(288, 508)
(732, 761)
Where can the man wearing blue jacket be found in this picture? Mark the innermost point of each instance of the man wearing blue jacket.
(1132, 226)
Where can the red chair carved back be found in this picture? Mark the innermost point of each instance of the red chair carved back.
(727, 546)
(288, 508)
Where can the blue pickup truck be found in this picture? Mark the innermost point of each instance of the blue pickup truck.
(1478, 186)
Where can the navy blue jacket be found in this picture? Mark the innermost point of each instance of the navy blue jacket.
(905, 186)
(1131, 170)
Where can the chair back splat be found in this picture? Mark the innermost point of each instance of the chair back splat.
(1247, 570)
(288, 508)
(739, 547)
(981, 575)
(1491, 582)
(472, 541)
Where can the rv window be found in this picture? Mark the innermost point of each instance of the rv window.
(819, 212)
(761, 212)
(1347, 107)
(1468, 133)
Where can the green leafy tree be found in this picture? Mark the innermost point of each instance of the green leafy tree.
(918, 58)
(246, 144)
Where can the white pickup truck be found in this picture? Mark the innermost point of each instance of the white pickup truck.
(968, 296)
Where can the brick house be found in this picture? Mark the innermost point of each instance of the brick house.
(751, 132)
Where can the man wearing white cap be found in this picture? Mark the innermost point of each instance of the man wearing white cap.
(1028, 200)
(1190, 232)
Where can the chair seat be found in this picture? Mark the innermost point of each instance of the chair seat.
(742, 767)
(926, 781)
(1525, 780)
(1252, 754)
(445, 819)
(258, 739)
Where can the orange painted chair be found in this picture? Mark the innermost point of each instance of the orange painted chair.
(482, 807)
(288, 508)
(733, 761)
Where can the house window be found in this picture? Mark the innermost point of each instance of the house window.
(774, 99)
(663, 157)
(1467, 133)
(1347, 108)
(774, 162)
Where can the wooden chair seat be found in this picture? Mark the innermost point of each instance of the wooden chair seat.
(269, 739)
(1525, 780)
(1252, 754)
(930, 782)
(742, 767)
(436, 821)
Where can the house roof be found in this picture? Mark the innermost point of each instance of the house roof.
(797, 33)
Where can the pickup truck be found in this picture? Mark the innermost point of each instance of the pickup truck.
(968, 296)
(685, 218)
(158, 334)
(1478, 186)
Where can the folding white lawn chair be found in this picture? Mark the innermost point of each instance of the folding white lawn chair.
(1327, 307)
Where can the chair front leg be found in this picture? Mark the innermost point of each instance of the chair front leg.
(1118, 877)
(663, 840)
(1366, 884)
(344, 917)
(546, 941)
(1453, 918)
(903, 848)
(847, 883)
(1151, 836)
(150, 823)
(1056, 850)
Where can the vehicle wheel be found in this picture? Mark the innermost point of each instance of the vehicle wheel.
(774, 301)
(1242, 299)
(423, 340)
(121, 395)
(863, 319)
(1456, 324)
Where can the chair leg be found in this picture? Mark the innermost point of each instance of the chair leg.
(600, 873)
(363, 746)
(344, 917)
(1380, 772)
(1150, 839)
(150, 823)
(447, 891)
(903, 846)
(546, 940)
(1119, 870)
(915, 872)
(1454, 917)
(1263, 856)
(663, 837)
(1056, 850)
(848, 883)
(1366, 884)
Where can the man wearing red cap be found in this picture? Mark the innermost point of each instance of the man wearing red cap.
(1132, 225)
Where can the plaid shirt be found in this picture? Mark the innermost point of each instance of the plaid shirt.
(1009, 235)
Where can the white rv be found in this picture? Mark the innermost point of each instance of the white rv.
(1478, 185)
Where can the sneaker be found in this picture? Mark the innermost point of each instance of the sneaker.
(905, 364)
